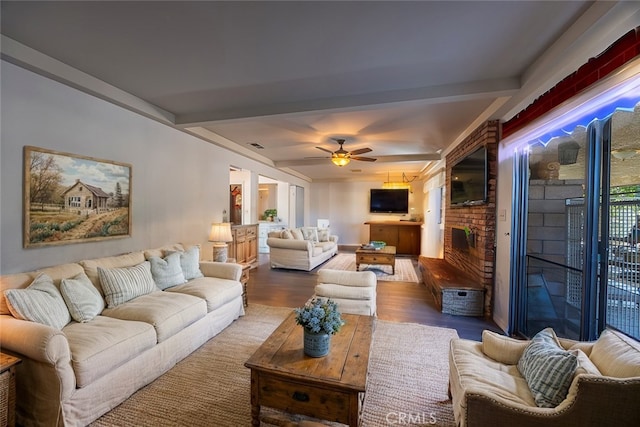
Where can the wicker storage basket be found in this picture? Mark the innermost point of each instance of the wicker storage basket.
(463, 302)
(6, 380)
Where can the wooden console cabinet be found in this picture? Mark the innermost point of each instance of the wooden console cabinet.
(404, 235)
(244, 247)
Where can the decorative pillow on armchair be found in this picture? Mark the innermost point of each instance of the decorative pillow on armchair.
(547, 368)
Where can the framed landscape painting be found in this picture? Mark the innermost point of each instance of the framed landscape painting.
(68, 198)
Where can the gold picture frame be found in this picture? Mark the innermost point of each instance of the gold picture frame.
(69, 198)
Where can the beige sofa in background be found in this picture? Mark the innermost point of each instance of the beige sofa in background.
(74, 375)
(488, 390)
(303, 248)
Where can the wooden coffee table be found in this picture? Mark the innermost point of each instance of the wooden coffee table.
(330, 387)
(383, 256)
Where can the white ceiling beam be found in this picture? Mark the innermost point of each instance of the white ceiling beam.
(380, 159)
(424, 95)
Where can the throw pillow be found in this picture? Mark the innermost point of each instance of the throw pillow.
(167, 272)
(286, 234)
(297, 234)
(323, 234)
(310, 233)
(547, 368)
(190, 263)
(82, 298)
(40, 302)
(123, 284)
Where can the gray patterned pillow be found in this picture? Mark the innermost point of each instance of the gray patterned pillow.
(123, 284)
(82, 298)
(310, 233)
(323, 234)
(40, 302)
(547, 368)
(167, 272)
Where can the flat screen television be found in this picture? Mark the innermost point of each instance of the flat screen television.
(469, 179)
(384, 200)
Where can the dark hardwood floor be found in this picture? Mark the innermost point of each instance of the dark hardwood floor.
(396, 301)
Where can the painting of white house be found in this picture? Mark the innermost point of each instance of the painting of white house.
(70, 198)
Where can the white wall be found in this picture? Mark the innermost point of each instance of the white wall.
(501, 287)
(346, 206)
(180, 184)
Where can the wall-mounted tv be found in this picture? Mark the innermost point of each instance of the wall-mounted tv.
(469, 179)
(394, 201)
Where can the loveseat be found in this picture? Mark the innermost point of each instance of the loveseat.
(546, 381)
(302, 248)
(126, 330)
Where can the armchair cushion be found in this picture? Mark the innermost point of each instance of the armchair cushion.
(502, 348)
(616, 355)
(347, 278)
(332, 291)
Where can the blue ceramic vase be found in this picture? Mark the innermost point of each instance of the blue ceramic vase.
(316, 344)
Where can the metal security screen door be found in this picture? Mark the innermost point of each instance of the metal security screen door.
(578, 270)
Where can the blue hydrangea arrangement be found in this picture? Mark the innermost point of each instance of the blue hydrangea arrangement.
(319, 315)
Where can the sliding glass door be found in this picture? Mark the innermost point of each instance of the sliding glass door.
(579, 197)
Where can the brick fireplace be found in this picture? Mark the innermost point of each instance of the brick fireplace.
(477, 257)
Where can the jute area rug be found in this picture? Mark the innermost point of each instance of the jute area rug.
(405, 272)
(408, 377)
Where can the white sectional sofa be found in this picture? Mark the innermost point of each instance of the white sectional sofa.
(72, 373)
(302, 248)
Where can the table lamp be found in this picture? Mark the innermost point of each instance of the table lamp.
(220, 235)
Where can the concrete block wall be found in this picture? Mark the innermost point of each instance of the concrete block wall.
(547, 230)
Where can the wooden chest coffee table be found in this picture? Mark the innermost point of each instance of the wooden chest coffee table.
(330, 387)
(383, 256)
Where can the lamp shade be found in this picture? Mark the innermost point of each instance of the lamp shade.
(220, 232)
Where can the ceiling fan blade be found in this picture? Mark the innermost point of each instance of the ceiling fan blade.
(324, 149)
(364, 159)
(323, 157)
(360, 151)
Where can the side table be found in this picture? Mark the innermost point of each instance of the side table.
(8, 389)
(244, 279)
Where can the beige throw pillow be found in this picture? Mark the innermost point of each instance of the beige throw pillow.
(297, 234)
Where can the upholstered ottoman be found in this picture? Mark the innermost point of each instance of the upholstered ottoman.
(353, 291)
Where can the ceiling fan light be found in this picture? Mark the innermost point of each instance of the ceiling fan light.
(340, 159)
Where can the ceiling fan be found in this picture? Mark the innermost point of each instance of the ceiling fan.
(342, 157)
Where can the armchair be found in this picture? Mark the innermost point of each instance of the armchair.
(353, 291)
